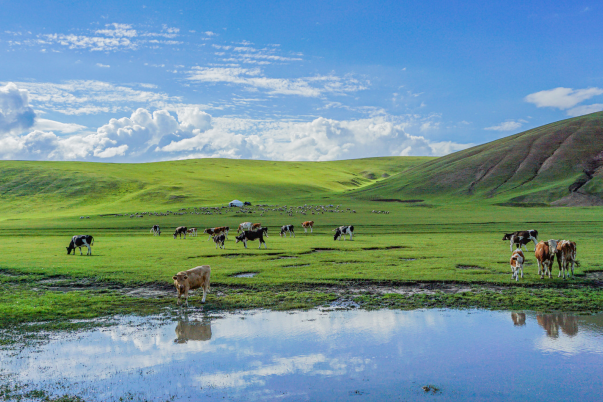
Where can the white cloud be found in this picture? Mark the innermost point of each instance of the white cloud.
(586, 109)
(51, 125)
(507, 126)
(15, 112)
(102, 65)
(119, 30)
(562, 98)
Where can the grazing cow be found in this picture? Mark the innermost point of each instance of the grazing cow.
(244, 226)
(156, 230)
(306, 225)
(219, 240)
(521, 238)
(517, 260)
(191, 279)
(216, 231)
(287, 229)
(263, 230)
(249, 235)
(545, 256)
(256, 226)
(566, 253)
(79, 242)
(342, 231)
(180, 230)
(192, 232)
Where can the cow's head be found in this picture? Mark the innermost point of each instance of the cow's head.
(282, 231)
(181, 282)
(507, 236)
(337, 234)
(70, 247)
(175, 234)
(240, 237)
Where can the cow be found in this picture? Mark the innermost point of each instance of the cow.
(263, 230)
(287, 229)
(212, 232)
(545, 256)
(219, 240)
(566, 254)
(517, 260)
(306, 225)
(180, 230)
(79, 242)
(342, 231)
(249, 235)
(191, 279)
(256, 226)
(521, 238)
(244, 226)
(192, 232)
(156, 230)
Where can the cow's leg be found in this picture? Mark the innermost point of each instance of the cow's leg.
(204, 294)
(540, 270)
(311, 229)
(511, 243)
(80, 251)
(89, 250)
(572, 269)
(535, 241)
(245, 243)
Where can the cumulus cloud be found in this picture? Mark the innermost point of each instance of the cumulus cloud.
(15, 112)
(586, 109)
(509, 125)
(564, 98)
(52, 125)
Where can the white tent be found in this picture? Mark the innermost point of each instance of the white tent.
(235, 203)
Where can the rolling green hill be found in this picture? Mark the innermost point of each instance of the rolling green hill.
(71, 188)
(558, 164)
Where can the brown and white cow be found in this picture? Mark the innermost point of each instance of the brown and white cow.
(219, 240)
(180, 230)
(216, 231)
(308, 224)
(192, 232)
(566, 254)
(256, 226)
(517, 260)
(191, 279)
(244, 226)
(545, 256)
(521, 238)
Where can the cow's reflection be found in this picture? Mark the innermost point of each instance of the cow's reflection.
(552, 322)
(519, 319)
(193, 331)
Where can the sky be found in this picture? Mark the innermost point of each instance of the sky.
(141, 81)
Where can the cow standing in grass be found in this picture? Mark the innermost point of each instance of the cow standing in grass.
(180, 230)
(545, 256)
(308, 224)
(517, 260)
(287, 229)
(342, 231)
(156, 230)
(79, 242)
(251, 235)
(244, 226)
(521, 238)
(219, 240)
(566, 254)
(191, 279)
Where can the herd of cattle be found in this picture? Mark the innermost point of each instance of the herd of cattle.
(199, 277)
(545, 251)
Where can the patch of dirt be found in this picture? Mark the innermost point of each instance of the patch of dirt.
(397, 200)
(319, 250)
(460, 266)
(296, 266)
(384, 248)
(284, 257)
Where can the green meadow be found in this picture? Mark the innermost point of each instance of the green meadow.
(423, 253)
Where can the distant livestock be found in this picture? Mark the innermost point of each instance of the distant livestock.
(342, 231)
(156, 230)
(79, 242)
(250, 235)
(287, 229)
(545, 256)
(180, 230)
(219, 240)
(191, 279)
(306, 225)
(521, 238)
(566, 254)
(517, 260)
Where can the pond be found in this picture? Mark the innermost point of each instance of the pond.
(323, 355)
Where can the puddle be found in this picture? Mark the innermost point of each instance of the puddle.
(245, 275)
(384, 248)
(322, 354)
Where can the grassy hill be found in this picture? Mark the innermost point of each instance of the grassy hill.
(559, 163)
(71, 188)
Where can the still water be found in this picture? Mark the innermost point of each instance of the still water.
(468, 355)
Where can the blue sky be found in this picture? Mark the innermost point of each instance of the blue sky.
(146, 80)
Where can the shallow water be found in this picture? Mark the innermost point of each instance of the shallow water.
(324, 355)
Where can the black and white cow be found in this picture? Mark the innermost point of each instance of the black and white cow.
(79, 242)
(287, 229)
(219, 240)
(342, 231)
(264, 230)
(180, 230)
(521, 238)
(156, 230)
(249, 235)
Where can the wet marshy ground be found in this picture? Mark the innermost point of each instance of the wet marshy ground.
(321, 354)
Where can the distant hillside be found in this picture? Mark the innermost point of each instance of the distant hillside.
(557, 164)
(69, 188)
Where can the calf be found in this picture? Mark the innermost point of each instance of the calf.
(521, 238)
(545, 256)
(287, 229)
(244, 226)
(212, 232)
(250, 235)
(180, 230)
(192, 232)
(342, 231)
(306, 225)
(191, 279)
(219, 240)
(517, 260)
(156, 230)
(566, 253)
(79, 242)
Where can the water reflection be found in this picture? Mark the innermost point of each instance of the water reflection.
(192, 331)
(552, 322)
(519, 319)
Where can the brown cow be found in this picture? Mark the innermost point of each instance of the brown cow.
(306, 225)
(566, 253)
(216, 231)
(256, 226)
(545, 256)
(517, 260)
(191, 279)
